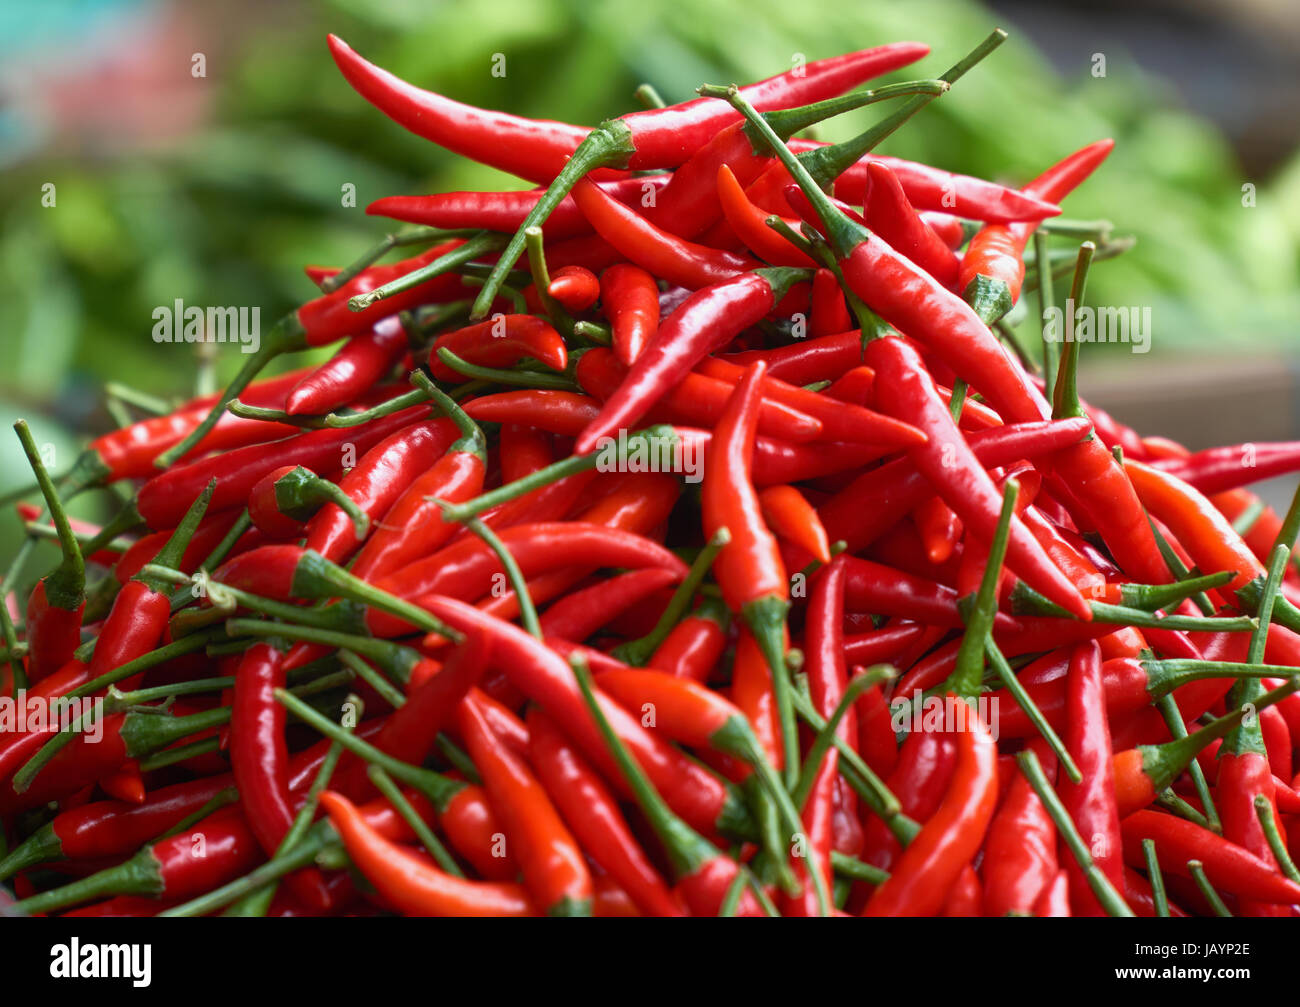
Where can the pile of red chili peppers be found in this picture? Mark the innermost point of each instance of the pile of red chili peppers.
(687, 535)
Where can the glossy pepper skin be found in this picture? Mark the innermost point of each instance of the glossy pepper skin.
(592, 812)
(1092, 803)
(410, 882)
(932, 862)
(554, 870)
(629, 298)
(1020, 861)
(259, 758)
(350, 373)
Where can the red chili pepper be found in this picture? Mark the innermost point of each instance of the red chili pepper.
(629, 298)
(1229, 867)
(704, 322)
(749, 223)
(888, 213)
(1197, 523)
(940, 529)
(538, 149)
(284, 498)
(111, 828)
(56, 604)
(594, 815)
(376, 483)
(663, 254)
(501, 341)
(695, 645)
(353, 370)
(505, 211)
(260, 760)
(1218, 469)
(930, 188)
(792, 518)
(163, 499)
(1092, 802)
(554, 870)
(841, 421)
(879, 499)
(129, 452)
(830, 312)
(949, 465)
(410, 882)
(932, 862)
(993, 269)
(1020, 850)
(168, 869)
(697, 399)
(1243, 775)
(582, 613)
(824, 358)
(413, 527)
(575, 287)
(1055, 900)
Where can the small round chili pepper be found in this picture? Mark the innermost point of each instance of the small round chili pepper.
(575, 287)
(284, 498)
(411, 883)
(594, 815)
(554, 870)
(353, 370)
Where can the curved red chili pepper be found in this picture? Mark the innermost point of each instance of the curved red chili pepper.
(946, 460)
(1229, 867)
(505, 211)
(704, 322)
(354, 369)
(594, 815)
(410, 882)
(554, 870)
(260, 761)
(695, 645)
(163, 499)
(376, 483)
(697, 399)
(582, 613)
(888, 213)
(749, 223)
(993, 267)
(932, 862)
(500, 342)
(793, 518)
(667, 256)
(538, 149)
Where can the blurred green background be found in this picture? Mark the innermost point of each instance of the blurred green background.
(218, 189)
